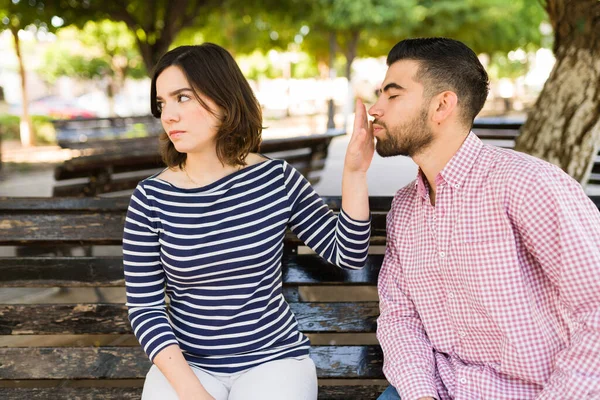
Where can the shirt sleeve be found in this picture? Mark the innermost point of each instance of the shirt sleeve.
(561, 229)
(408, 361)
(145, 277)
(340, 239)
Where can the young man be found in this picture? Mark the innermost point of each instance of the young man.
(490, 287)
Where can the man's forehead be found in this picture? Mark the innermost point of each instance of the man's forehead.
(402, 72)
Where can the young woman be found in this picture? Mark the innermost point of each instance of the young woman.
(208, 231)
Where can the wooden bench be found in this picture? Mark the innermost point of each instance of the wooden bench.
(82, 133)
(503, 134)
(116, 370)
(120, 165)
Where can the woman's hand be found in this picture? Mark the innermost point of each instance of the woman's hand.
(361, 148)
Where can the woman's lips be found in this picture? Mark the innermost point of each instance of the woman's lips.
(175, 134)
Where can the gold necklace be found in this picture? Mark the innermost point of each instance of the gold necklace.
(189, 177)
(196, 183)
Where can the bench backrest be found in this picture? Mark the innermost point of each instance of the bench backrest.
(47, 223)
(120, 165)
(503, 134)
(81, 133)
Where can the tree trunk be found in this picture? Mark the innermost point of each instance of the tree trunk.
(350, 54)
(564, 125)
(332, 74)
(26, 126)
(160, 25)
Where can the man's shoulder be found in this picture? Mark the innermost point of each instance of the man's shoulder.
(513, 168)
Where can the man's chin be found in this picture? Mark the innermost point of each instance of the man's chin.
(384, 152)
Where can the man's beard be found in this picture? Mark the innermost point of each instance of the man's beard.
(407, 139)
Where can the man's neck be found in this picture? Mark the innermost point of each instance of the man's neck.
(436, 156)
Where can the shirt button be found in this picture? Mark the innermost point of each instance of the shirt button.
(462, 334)
(450, 295)
(463, 380)
(457, 186)
(442, 254)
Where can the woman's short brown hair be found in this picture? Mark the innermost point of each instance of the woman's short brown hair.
(212, 71)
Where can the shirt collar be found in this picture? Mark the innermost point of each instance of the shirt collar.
(456, 170)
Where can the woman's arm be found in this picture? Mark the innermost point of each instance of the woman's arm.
(175, 368)
(359, 154)
(145, 285)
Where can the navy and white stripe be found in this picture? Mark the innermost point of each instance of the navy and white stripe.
(217, 251)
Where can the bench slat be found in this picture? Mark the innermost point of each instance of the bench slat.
(351, 362)
(97, 319)
(119, 204)
(91, 228)
(308, 269)
(326, 392)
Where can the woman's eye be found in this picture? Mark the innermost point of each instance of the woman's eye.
(182, 98)
(159, 107)
(392, 97)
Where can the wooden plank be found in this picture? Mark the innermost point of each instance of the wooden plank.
(350, 362)
(61, 228)
(495, 134)
(10, 205)
(72, 393)
(92, 228)
(313, 270)
(97, 319)
(497, 124)
(118, 204)
(308, 269)
(61, 272)
(326, 392)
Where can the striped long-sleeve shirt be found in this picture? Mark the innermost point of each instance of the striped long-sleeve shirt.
(216, 251)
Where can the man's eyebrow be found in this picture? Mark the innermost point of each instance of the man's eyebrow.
(391, 86)
(176, 92)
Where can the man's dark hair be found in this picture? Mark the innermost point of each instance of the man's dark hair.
(212, 71)
(446, 64)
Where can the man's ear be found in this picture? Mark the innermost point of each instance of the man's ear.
(443, 106)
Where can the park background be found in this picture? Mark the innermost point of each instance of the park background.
(91, 58)
(86, 58)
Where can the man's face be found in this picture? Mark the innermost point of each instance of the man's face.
(400, 114)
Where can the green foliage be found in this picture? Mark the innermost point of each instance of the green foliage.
(100, 49)
(487, 26)
(42, 127)
(18, 14)
(501, 66)
(257, 65)
(154, 24)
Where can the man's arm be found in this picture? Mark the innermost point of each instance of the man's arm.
(561, 229)
(408, 355)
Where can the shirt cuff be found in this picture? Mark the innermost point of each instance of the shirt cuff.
(357, 222)
(414, 386)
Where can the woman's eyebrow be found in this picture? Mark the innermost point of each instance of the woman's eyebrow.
(176, 92)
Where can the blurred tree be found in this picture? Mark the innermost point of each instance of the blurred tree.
(564, 125)
(102, 50)
(486, 26)
(155, 24)
(16, 15)
(245, 27)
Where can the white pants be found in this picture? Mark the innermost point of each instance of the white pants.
(286, 379)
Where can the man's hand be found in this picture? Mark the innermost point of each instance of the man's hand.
(362, 143)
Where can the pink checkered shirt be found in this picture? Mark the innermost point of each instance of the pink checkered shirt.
(494, 293)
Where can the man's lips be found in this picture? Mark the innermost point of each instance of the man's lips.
(377, 128)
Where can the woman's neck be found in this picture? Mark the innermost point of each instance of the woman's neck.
(203, 169)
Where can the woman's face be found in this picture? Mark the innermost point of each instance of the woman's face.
(191, 127)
